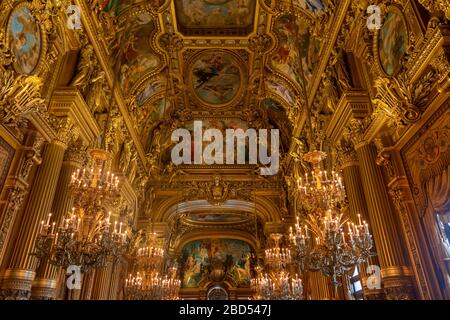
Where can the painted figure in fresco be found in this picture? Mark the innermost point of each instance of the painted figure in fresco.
(137, 56)
(110, 6)
(393, 43)
(204, 256)
(25, 40)
(216, 78)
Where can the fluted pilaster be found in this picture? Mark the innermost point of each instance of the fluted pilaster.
(87, 285)
(22, 267)
(395, 273)
(319, 285)
(102, 282)
(115, 279)
(46, 274)
(349, 164)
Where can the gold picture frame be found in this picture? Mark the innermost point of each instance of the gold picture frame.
(389, 64)
(25, 41)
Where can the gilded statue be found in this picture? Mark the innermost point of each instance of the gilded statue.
(331, 92)
(85, 68)
(340, 69)
(301, 148)
(96, 97)
(125, 156)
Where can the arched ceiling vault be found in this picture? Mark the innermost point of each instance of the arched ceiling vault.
(230, 63)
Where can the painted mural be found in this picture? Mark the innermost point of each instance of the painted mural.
(298, 53)
(150, 89)
(392, 41)
(216, 78)
(222, 125)
(312, 5)
(277, 118)
(211, 14)
(122, 5)
(235, 255)
(218, 217)
(276, 86)
(25, 39)
(155, 115)
(137, 57)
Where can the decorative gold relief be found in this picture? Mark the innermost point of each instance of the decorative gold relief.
(437, 6)
(19, 96)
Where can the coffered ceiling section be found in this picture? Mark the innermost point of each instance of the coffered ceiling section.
(215, 17)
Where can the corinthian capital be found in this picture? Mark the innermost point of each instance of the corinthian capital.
(76, 152)
(65, 130)
(346, 154)
(355, 131)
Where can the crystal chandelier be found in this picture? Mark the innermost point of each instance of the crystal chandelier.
(152, 286)
(147, 283)
(319, 189)
(86, 237)
(151, 256)
(331, 244)
(277, 283)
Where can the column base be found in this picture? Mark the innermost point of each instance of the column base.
(374, 294)
(17, 284)
(398, 283)
(43, 289)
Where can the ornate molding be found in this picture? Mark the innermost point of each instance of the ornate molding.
(20, 96)
(14, 203)
(437, 6)
(217, 191)
(346, 155)
(32, 157)
(399, 200)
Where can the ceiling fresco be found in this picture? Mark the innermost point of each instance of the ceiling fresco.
(217, 217)
(215, 17)
(137, 56)
(297, 52)
(216, 77)
(189, 60)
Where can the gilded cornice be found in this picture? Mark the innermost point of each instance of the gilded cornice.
(68, 102)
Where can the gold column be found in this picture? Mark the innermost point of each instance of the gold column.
(319, 286)
(115, 279)
(87, 284)
(16, 188)
(46, 274)
(18, 277)
(396, 275)
(349, 164)
(100, 289)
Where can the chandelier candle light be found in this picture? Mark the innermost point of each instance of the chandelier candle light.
(86, 237)
(334, 246)
(277, 283)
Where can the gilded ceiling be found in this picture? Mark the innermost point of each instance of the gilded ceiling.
(236, 63)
